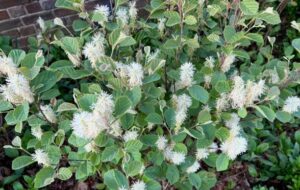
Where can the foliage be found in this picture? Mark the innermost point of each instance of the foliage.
(167, 101)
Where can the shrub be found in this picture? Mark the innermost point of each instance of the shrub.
(167, 101)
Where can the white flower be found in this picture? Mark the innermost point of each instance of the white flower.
(254, 91)
(41, 23)
(7, 66)
(168, 152)
(122, 188)
(161, 142)
(227, 63)
(17, 89)
(161, 24)
(130, 135)
(41, 157)
(103, 10)
(213, 147)
(238, 93)
(87, 126)
(57, 21)
(135, 74)
(115, 129)
(233, 121)
(177, 158)
(193, 168)
(291, 104)
(122, 15)
(49, 113)
(132, 10)
(234, 145)
(104, 105)
(74, 58)
(209, 62)
(182, 103)
(37, 132)
(90, 147)
(187, 71)
(207, 80)
(222, 102)
(202, 153)
(94, 50)
(138, 185)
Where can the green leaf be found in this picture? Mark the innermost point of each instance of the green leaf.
(195, 180)
(282, 116)
(222, 162)
(199, 93)
(115, 179)
(249, 7)
(21, 162)
(17, 55)
(66, 4)
(242, 112)
(133, 168)
(128, 41)
(190, 20)
(262, 147)
(170, 117)
(66, 107)
(270, 16)
(133, 145)
(44, 177)
(154, 118)
(45, 81)
(123, 104)
(127, 120)
(266, 112)
(296, 44)
(229, 32)
(64, 173)
(171, 44)
(109, 153)
(172, 174)
(255, 37)
(19, 114)
(173, 18)
(86, 101)
(5, 105)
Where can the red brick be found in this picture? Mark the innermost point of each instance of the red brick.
(27, 30)
(9, 3)
(47, 4)
(63, 12)
(11, 33)
(6, 25)
(4, 15)
(34, 7)
(22, 42)
(31, 19)
(16, 11)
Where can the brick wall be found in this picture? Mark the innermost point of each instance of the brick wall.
(18, 17)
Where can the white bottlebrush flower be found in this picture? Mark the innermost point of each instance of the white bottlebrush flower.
(229, 59)
(161, 24)
(87, 126)
(135, 74)
(182, 103)
(177, 158)
(202, 153)
(291, 104)
(7, 66)
(233, 121)
(104, 105)
(37, 132)
(210, 62)
(207, 80)
(49, 113)
(95, 49)
(213, 147)
(41, 24)
(187, 71)
(254, 91)
(57, 21)
(17, 90)
(74, 58)
(161, 142)
(41, 157)
(103, 10)
(238, 93)
(130, 135)
(122, 15)
(234, 145)
(222, 102)
(122, 188)
(193, 168)
(132, 10)
(168, 152)
(138, 185)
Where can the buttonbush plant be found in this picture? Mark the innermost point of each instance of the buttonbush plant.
(164, 100)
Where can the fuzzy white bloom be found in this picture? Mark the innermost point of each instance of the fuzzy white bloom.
(238, 93)
(222, 102)
(182, 103)
(213, 147)
(41, 157)
(161, 24)
(177, 158)
(94, 50)
(291, 104)
(187, 71)
(115, 129)
(103, 10)
(122, 188)
(207, 80)
(227, 63)
(49, 113)
(57, 21)
(104, 105)
(17, 90)
(130, 135)
(234, 145)
(37, 132)
(168, 152)
(132, 10)
(233, 121)
(135, 74)
(254, 91)
(193, 168)
(122, 15)
(41, 23)
(138, 185)
(202, 153)
(209, 62)
(87, 126)
(161, 142)
(75, 59)
(7, 66)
